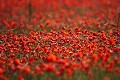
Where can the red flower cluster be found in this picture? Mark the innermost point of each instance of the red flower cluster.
(59, 52)
(40, 38)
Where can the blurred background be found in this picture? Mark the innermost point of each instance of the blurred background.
(38, 15)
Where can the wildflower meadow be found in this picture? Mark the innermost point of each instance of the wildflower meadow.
(59, 39)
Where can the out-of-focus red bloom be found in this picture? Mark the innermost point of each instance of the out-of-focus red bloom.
(117, 49)
(48, 22)
(3, 78)
(112, 41)
(106, 78)
(23, 60)
(1, 71)
(31, 60)
(79, 54)
(50, 68)
(26, 69)
(90, 75)
(95, 58)
(48, 79)
(69, 72)
(51, 58)
(16, 61)
(20, 77)
(117, 69)
(10, 60)
(15, 38)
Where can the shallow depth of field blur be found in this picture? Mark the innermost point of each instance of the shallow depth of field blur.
(59, 39)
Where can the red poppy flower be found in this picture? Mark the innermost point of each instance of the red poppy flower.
(1, 71)
(16, 61)
(20, 77)
(51, 57)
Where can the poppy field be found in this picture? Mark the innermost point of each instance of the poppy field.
(59, 39)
